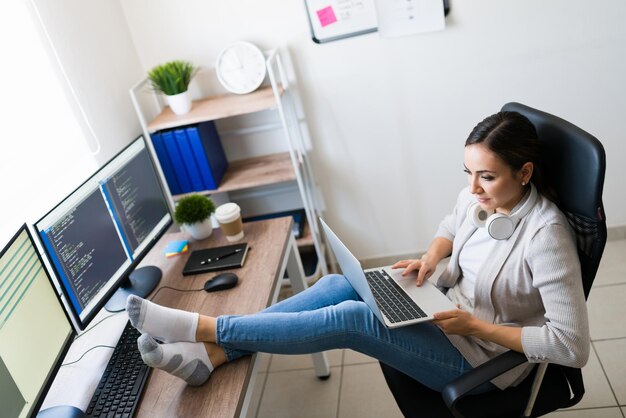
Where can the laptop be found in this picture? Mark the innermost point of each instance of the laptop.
(394, 299)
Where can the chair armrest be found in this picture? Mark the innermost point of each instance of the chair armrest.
(460, 387)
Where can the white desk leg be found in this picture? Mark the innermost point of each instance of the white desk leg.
(298, 284)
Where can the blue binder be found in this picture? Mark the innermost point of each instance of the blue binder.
(164, 161)
(209, 153)
(178, 163)
(189, 160)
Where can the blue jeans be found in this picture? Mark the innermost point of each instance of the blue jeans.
(330, 315)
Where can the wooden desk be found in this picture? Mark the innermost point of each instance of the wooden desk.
(227, 393)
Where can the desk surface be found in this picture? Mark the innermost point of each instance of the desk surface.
(271, 248)
(223, 394)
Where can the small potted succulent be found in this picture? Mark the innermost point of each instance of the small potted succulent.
(172, 79)
(193, 213)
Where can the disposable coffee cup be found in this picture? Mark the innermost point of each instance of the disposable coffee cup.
(228, 216)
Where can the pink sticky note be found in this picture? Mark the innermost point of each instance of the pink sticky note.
(326, 16)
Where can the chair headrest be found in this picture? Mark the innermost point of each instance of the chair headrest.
(574, 162)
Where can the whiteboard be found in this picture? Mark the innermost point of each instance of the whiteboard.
(331, 20)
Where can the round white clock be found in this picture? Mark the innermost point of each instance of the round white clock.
(240, 67)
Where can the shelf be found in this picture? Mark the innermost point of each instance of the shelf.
(254, 172)
(306, 239)
(311, 276)
(217, 107)
(276, 107)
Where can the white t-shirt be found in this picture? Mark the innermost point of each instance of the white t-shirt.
(471, 258)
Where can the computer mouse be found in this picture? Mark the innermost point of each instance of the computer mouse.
(222, 281)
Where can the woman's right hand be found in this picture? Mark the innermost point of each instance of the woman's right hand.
(424, 268)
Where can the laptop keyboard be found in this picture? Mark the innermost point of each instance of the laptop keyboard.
(391, 299)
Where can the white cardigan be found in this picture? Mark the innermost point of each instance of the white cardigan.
(531, 280)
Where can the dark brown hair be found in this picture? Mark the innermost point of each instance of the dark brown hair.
(513, 138)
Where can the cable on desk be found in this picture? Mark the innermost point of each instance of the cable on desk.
(95, 325)
(107, 317)
(173, 288)
(83, 355)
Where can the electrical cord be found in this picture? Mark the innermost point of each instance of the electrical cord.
(94, 347)
(83, 355)
(95, 325)
(107, 317)
(173, 288)
(157, 292)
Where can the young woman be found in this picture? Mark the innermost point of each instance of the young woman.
(513, 273)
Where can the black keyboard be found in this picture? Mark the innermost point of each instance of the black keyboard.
(122, 382)
(391, 299)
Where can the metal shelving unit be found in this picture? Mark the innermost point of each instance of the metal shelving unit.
(294, 165)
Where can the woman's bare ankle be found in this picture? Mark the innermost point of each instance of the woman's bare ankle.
(216, 354)
(206, 330)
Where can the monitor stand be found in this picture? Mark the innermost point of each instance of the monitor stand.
(140, 282)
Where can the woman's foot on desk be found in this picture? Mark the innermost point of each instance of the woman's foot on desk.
(188, 361)
(164, 324)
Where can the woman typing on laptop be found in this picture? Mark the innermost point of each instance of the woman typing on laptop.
(513, 274)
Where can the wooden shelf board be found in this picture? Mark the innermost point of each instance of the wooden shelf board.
(253, 172)
(216, 107)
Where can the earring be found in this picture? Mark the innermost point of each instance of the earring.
(523, 183)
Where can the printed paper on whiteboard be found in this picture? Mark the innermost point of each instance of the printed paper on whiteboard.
(408, 17)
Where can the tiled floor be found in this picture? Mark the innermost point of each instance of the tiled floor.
(287, 386)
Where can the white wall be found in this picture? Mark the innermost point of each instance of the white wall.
(97, 53)
(43, 152)
(388, 116)
(395, 112)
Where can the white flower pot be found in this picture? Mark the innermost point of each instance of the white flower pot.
(199, 230)
(180, 103)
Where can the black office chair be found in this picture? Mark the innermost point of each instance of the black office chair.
(575, 163)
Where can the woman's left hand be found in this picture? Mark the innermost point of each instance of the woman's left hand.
(456, 321)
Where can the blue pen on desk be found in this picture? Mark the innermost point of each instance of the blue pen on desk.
(214, 259)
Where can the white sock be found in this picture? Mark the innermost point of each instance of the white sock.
(188, 361)
(164, 324)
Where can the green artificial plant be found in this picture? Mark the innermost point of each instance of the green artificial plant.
(193, 208)
(172, 77)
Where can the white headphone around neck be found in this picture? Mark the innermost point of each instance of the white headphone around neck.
(500, 226)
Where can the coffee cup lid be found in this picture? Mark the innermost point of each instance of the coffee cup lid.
(227, 212)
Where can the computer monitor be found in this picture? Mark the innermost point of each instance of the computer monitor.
(35, 331)
(97, 235)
